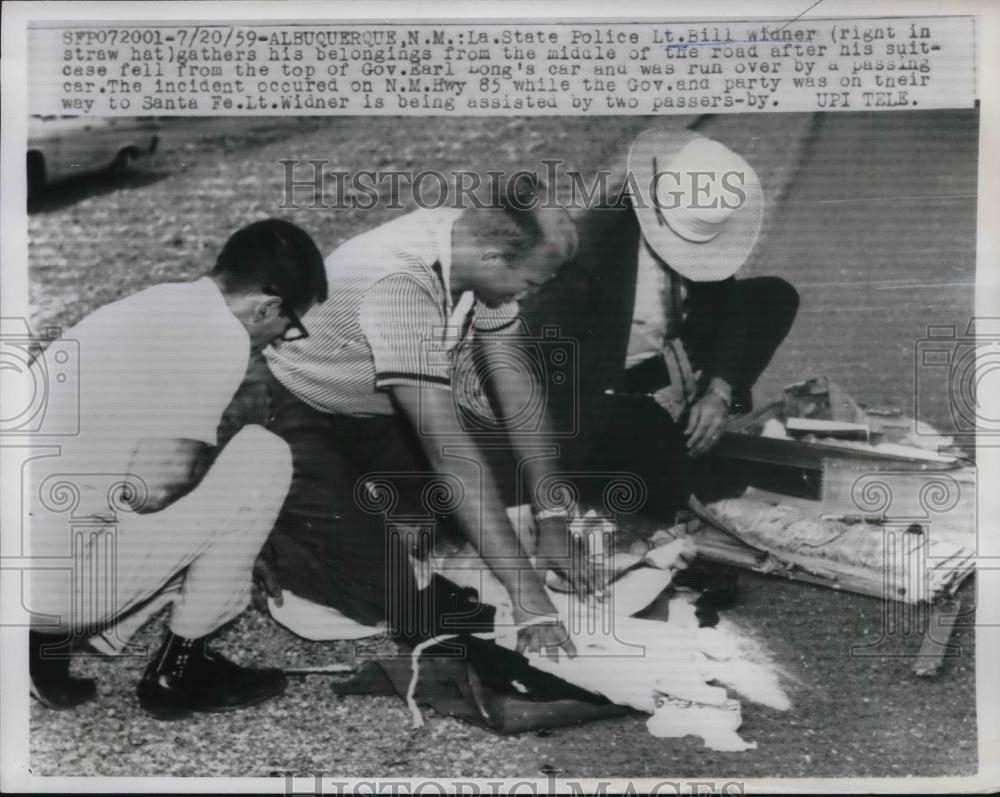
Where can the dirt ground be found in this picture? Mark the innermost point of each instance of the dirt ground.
(871, 216)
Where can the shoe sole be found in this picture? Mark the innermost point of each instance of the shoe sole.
(170, 714)
(35, 693)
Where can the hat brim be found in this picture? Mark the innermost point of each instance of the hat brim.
(713, 260)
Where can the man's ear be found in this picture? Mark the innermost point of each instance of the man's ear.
(494, 258)
(266, 307)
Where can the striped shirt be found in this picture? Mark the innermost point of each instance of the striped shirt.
(386, 322)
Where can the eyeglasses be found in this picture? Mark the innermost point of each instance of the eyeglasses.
(297, 330)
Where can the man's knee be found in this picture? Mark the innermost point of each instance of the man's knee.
(256, 449)
(774, 298)
(782, 297)
(787, 298)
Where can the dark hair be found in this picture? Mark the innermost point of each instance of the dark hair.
(277, 254)
(516, 221)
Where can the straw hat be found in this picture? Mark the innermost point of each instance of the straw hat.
(699, 204)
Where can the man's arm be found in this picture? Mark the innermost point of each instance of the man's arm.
(163, 470)
(250, 405)
(512, 389)
(716, 314)
(482, 517)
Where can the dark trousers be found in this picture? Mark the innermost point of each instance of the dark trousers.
(341, 543)
(337, 544)
(325, 547)
(619, 427)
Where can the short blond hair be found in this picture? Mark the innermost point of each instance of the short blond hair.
(520, 224)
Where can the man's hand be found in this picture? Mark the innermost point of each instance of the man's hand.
(251, 404)
(706, 421)
(568, 555)
(265, 582)
(163, 470)
(483, 520)
(540, 629)
(546, 638)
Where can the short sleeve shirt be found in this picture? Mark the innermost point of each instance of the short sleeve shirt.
(387, 320)
(162, 363)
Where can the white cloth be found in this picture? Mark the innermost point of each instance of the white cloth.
(634, 661)
(318, 622)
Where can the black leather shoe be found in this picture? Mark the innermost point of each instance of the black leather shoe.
(51, 683)
(185, 677)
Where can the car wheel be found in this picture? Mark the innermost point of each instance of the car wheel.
(121, 165)
(35, 172)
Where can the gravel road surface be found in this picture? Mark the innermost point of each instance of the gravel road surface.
(872, 217)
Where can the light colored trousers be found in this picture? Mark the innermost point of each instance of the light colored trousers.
(198, 553)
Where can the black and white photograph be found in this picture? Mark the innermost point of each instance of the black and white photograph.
(548, 403)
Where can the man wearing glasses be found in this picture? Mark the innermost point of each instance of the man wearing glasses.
(165, 509)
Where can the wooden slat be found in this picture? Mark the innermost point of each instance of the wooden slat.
(717, 543)
(936, 644)
(716, 546)
(810, 456)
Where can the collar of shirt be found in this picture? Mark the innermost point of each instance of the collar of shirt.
(456, 312)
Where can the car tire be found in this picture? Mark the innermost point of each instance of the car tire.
(123, 163)
(35, 173)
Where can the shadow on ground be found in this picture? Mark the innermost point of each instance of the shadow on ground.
(64, 194)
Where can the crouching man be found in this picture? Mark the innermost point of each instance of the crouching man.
(374, 391)
(670, 342)
(146, 506)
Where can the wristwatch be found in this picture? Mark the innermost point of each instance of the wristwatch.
(545, 514)
(725, 395)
